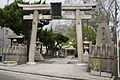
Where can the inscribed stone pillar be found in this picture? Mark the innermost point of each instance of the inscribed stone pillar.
(33, 37)
(103, 34)
(79, 36)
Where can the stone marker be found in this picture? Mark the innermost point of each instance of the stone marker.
(103, 34)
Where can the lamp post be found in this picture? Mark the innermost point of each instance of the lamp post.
(118, 60)
(3, 37)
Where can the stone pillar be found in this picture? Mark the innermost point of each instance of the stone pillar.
(79, 36)
(33, 37)
(65, 53)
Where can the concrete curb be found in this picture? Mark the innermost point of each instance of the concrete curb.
(42, 74)
(112, 78)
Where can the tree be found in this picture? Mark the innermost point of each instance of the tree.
(106, 11)
(48, 38)
(60, 38)
(91, 32)
(12, 17)
(1, 16)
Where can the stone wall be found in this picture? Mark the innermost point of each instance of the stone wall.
(15, 53)
(104, 55)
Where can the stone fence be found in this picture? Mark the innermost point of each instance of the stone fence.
(103, 56)
(15, 53)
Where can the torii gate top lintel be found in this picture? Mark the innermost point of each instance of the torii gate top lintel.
(47, 7)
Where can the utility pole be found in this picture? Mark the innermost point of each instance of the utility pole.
(115, 38)
(3, 37)
(115, 22)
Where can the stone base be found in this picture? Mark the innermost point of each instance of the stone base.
(96, 73)
(31, 62)
(86, 57)
(82, 64)
(105, 74)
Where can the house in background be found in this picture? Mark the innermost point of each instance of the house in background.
(4, 33)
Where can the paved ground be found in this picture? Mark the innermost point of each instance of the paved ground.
(65, 71)
(60, 60)
(4, 76)
(7, 75)
(52, 71)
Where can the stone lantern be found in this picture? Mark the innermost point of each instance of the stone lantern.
(86, 48)
(38, 55)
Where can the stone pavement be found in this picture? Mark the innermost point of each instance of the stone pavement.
(8, 75)
(60, 60)
(64, 71)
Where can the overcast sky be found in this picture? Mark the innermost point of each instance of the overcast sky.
(4, 2)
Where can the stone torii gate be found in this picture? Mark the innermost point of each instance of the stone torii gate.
(45, 7)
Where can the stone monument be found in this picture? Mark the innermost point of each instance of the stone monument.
(103, 34)
(102, 55)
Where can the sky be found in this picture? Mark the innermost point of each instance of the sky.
(4, 2)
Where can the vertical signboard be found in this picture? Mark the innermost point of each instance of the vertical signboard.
(56, 10)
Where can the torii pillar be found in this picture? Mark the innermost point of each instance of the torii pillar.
(33, 37)
(79, 36)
